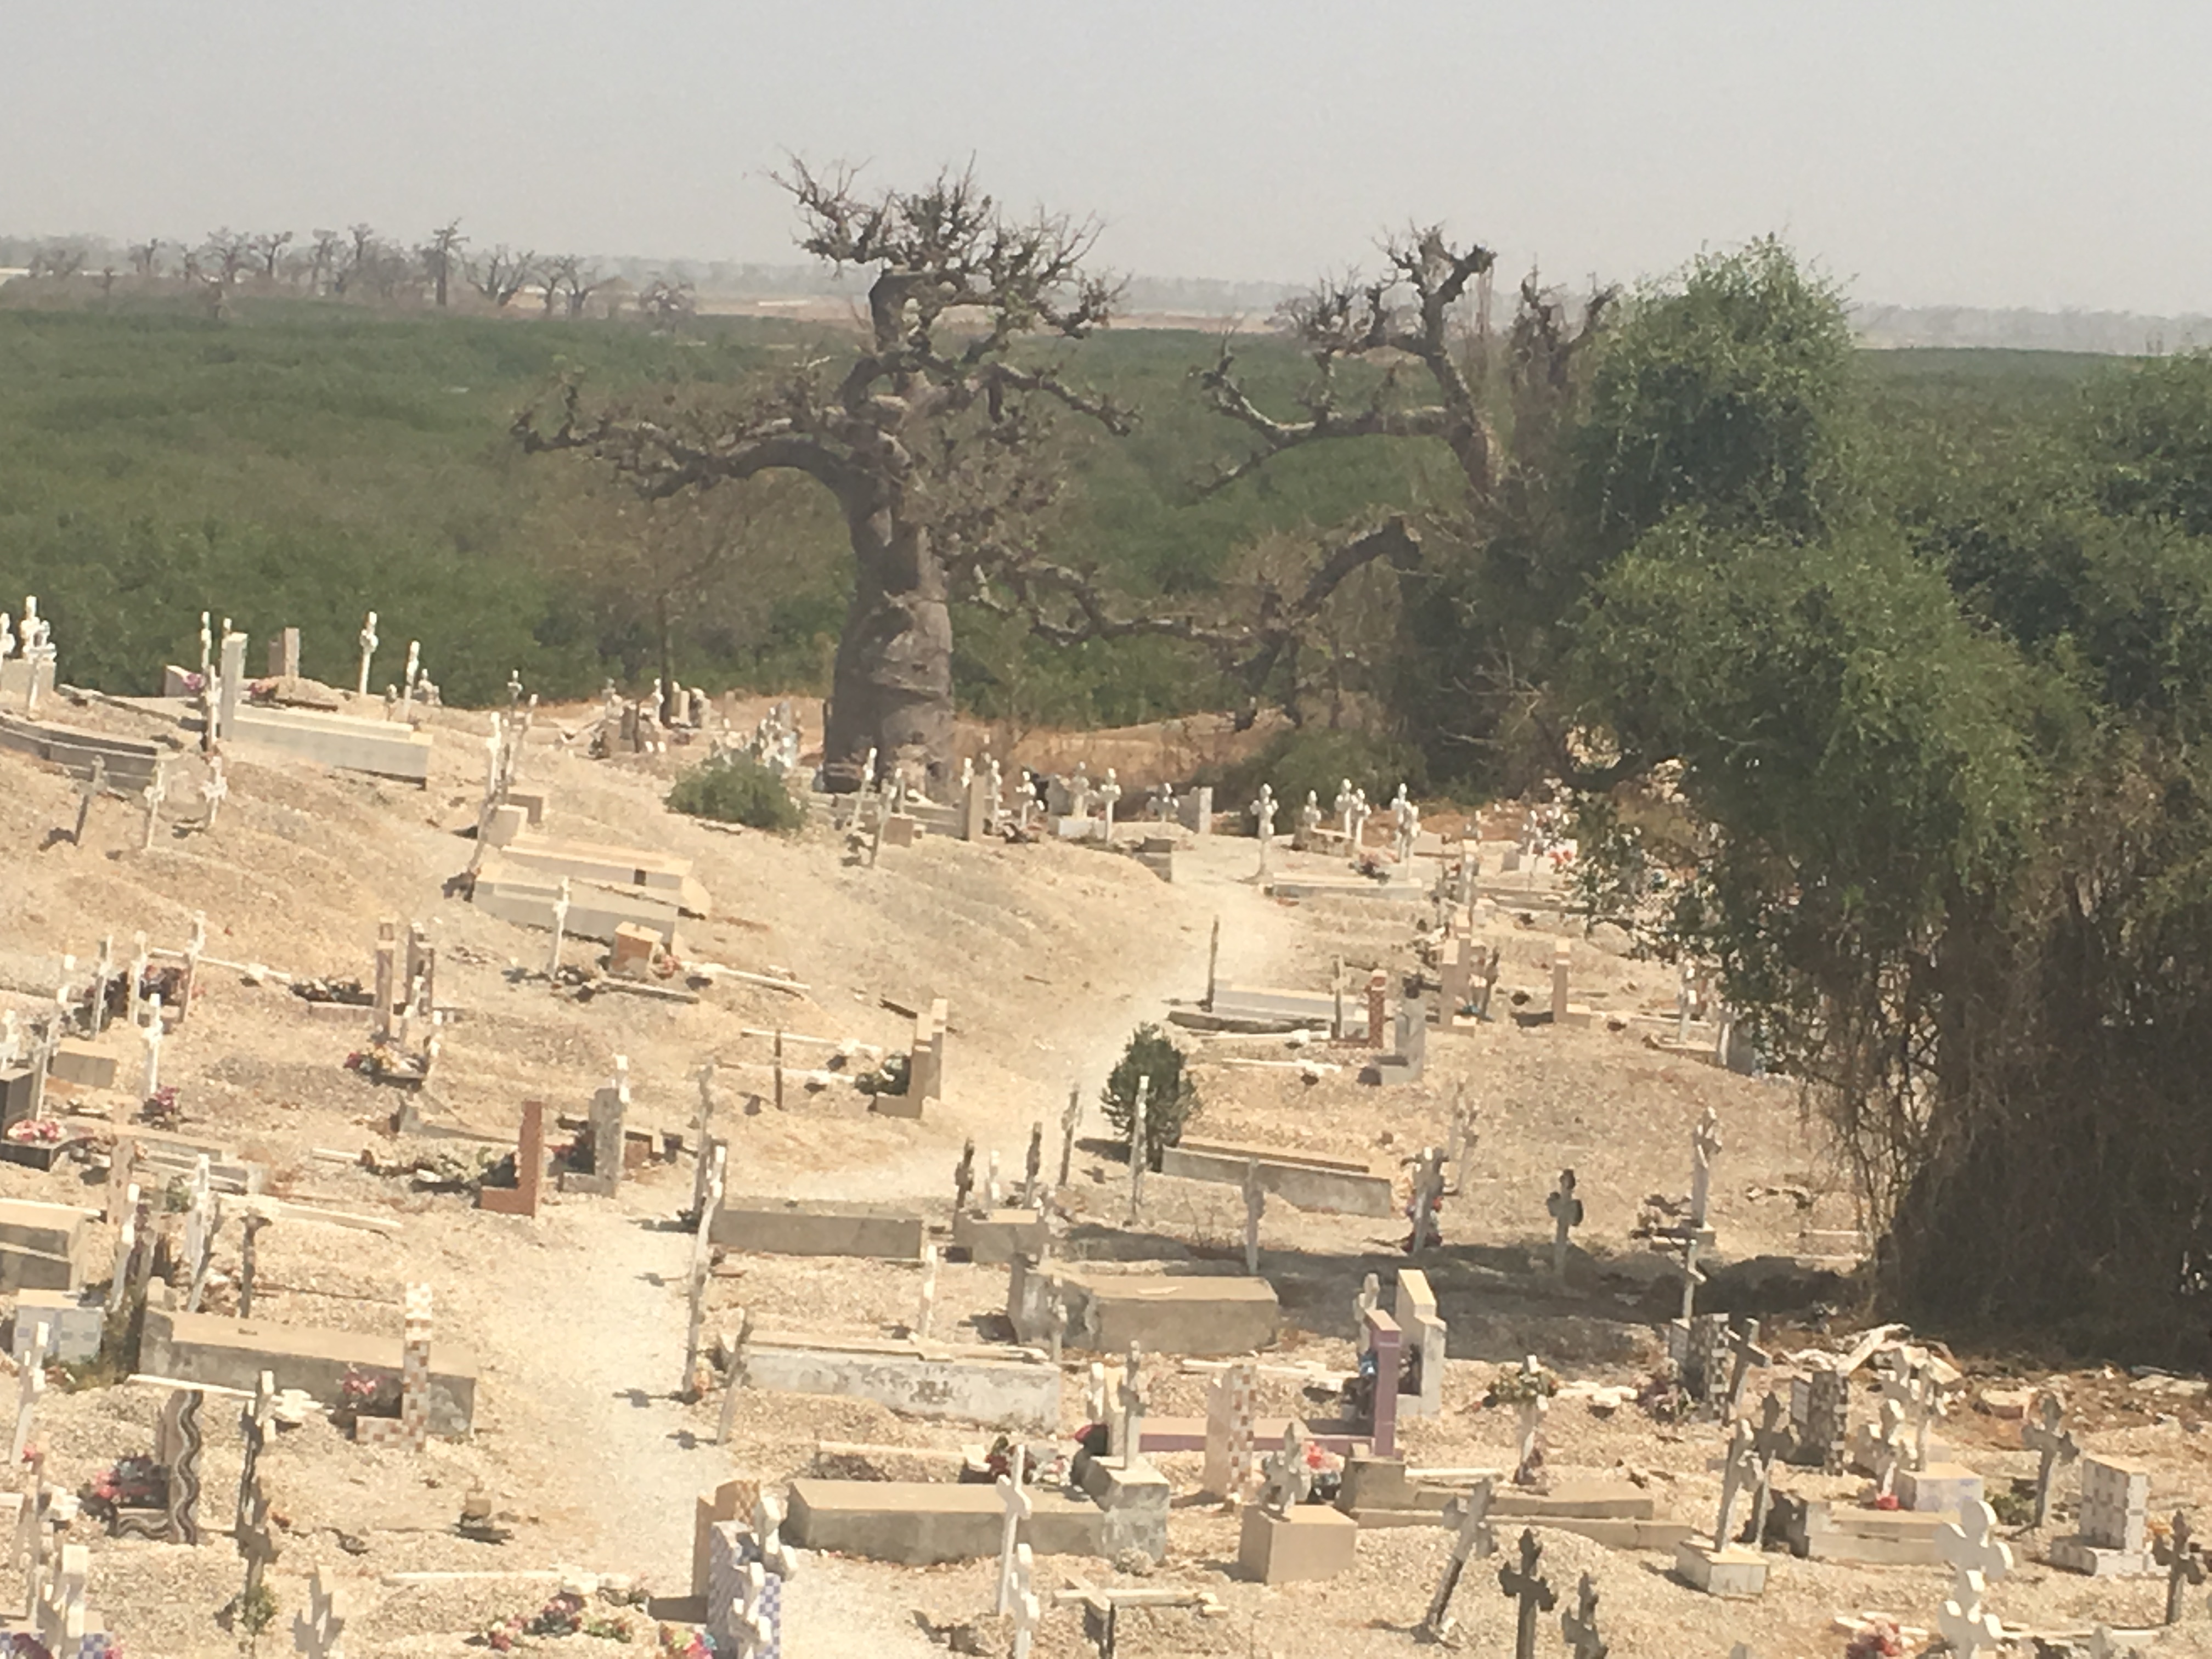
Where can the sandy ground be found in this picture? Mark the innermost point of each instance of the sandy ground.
(1048, 956)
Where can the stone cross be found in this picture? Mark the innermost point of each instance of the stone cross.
(1255, 1205)
(258, 1216)
(1579, 1629)
(1360, 813)
(1131, 1401)
(1740, 1470)
(1139, 1147)
(1566, 1215)
(702, 1267)
(2183, 1558)
(1692, 1240)
(927, 1309)
(1033, 1168)
(201, 1223)
(154, 795)
(1094, 1393)
(414, 672)
(61, 1604)
(1071, 1119)
(2043, 1435)
(1408, 818)
(964, 1177)
(1528, 1412)
(1705, 1147)
(1526, 1585)
(1263, 813)
(1107, 793)
(1428, 1201)
(1977, 1560)
(993, 1194)
(559, 928)
(1309, 818)
(1744, 1344)
(318, 1633)
(1344, 804)
(1289, 1472)
(94, 786)
(1771, 1440)
(367, 652)
(1369, 1299)
(1028, 1610)
(1014, 1498)
(1889, 1454)
(1470, 1511)
(126, 1241)
(30, 1383)
(214, 791)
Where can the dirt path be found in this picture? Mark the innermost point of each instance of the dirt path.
(587, 1345)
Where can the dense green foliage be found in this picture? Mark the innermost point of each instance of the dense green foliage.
(302, 463)
(1171, 1101)
(737, 789)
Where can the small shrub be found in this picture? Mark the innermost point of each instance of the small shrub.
(737, 789)
(1172, 1102)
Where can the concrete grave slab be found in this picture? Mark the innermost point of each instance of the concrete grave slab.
(129, 763)
(527, 898)
(1134, 1504)
(792, 1226)
(1195, 1314)
(383, 749)
(232, 1353)
(995, 1386)
(1339, 1186)
(1309, 1542)
(998, 1236)
(922, 1523)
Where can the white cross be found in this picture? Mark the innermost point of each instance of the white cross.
(1343, 805)
(1094, 1393)
(1109, 792)
(30, 1383)
(153, 1036)
(367, 652)
(560, 926)
(1705, 1147)
(1029, 1612)
(1014, 1497)
(1133, 1408)
(1139, 1146)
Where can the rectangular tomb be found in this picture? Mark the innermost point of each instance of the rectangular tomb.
(384, 749)
(527, 898)
(921, 1523)
(792, 1226)
(1337, 1185)
(232, 1353)
(993, 1386)
(1196, 1314)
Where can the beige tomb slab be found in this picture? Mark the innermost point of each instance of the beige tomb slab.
(996, 1236)
(661, 873)
(1198, 1315)
(1309, 1542)
(1734, 1573)
(1133, 1503)
(1336, 1185)
(526, 896)
(921, 1523)
(996, 1386)
(384, 749)
(790, 1226)
(232, 1353)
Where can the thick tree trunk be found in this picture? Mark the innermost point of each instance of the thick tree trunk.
(892, 688)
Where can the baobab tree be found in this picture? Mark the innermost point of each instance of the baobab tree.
(933, 440)
(502, 275)
(442, 257)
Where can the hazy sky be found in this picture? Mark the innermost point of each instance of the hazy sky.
(2017, 153)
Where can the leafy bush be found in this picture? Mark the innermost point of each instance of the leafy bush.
(1315, 759)
(737, 789)
(1170, 1105)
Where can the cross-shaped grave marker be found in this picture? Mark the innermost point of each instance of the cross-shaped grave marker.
(964, 1177)
(701, 1268)
(1705, 1147)
(1578, 1628)
(152, 1037)
(1014, 1498)
(1471, 1511)
(1526, 1585)
(368, 643)
(1528, 1411)
(214, 789)
(1744, 1344)
(1139, 1146)
(94, 786)
(1130, 1395)
(1028, 1611)
(1740, 1470)
(2044, 1436)
(1888, 1453)
(1369, 1299)
(1071, 1119)
(1977, 1560)
(1770, 1442)
(1428, 1201)
(1033, 1168)
(927, 1311)
(2183, 1558)
(1566, 1211)
(1289, 1472)
(1263, 813)
(30, 1383)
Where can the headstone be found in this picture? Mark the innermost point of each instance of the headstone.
(1232, 1410)
(411, 1429)
(1820, 1413)
(2112, 1526)
(1426, 1335)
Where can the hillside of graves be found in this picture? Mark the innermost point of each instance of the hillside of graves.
(451, 1202)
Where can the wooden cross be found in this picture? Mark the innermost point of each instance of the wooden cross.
(1770, 1441)
(1033, 1167)
(964, 1177)
(1744, 1344)
(1070, 1120)
(1472, 1511)
(1579, 1627)
(1566, 1211)
(2043, 1437)
(1526, 1585)
(2183, 1558)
